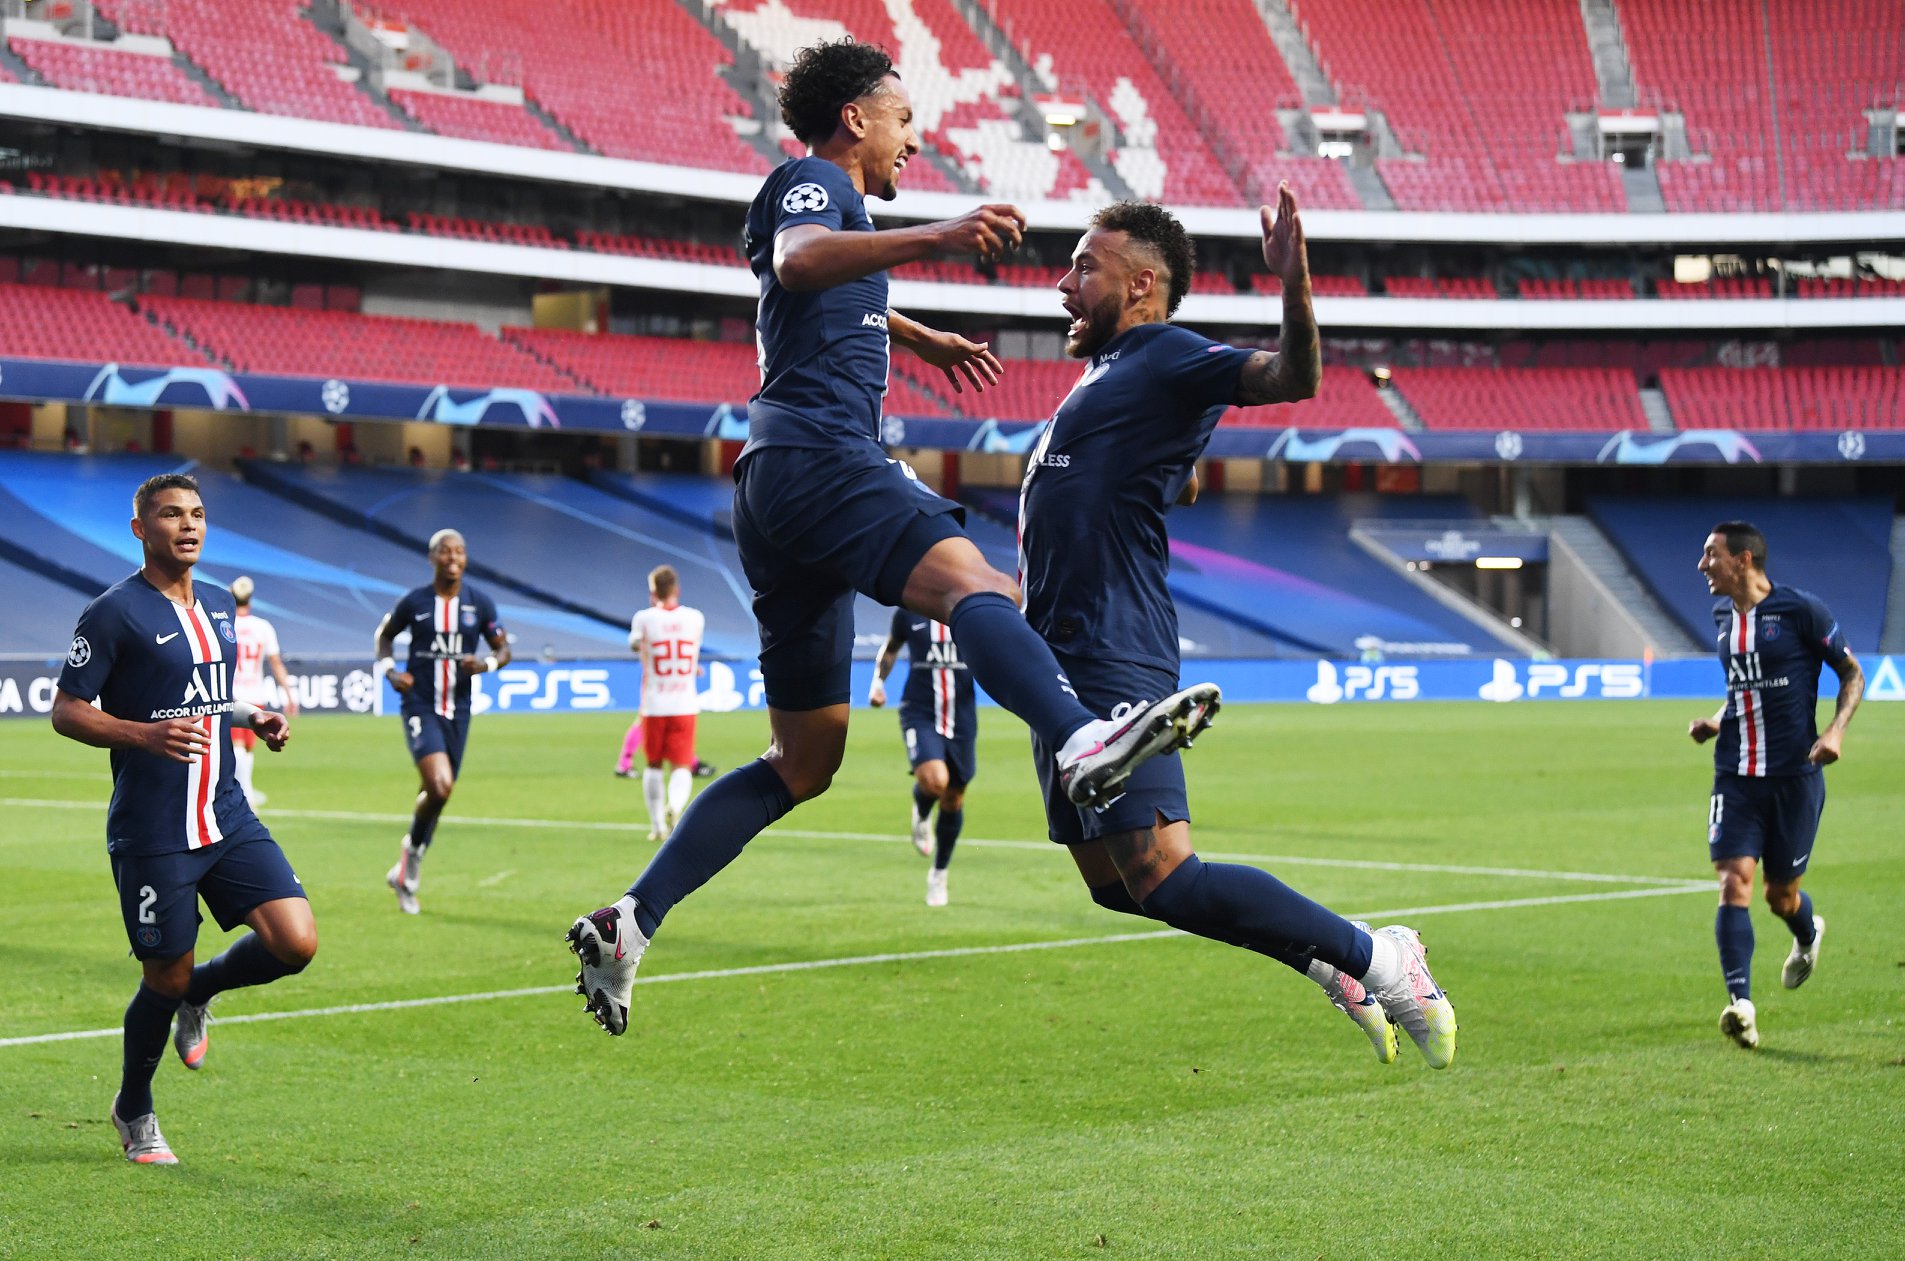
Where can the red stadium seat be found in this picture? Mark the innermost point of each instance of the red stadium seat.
(82, 325)
(1522, 398)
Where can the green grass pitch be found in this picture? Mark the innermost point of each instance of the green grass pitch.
(964, 1095)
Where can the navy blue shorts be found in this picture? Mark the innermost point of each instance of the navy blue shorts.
(159, 893)
(814, 527)
(1772, 818)
(1110, 689)
(924, 743)
(427, 732)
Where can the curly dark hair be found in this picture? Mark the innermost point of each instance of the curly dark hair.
(1158, 228)
(825, 77)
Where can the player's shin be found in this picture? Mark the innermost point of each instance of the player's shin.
(1015, 666)
(148, 1021)
(245, 963)
(712, 832)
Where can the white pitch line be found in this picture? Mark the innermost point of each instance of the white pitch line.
(490, 882)
(849, 961)
(589, 825)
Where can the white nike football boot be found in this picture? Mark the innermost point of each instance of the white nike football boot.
(610, 945)
(1107, 750)
(936, 886)
(189, 1035)
(1349, 996)
(140, 1139)
(405, 876)
(1416, 1002)
(1803, 959)
(1738, 1023)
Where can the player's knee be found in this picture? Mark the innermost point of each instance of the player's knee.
(932, 780)
(169, 977)
(438, 788)
(1783, 899)
(1736, 888)
(299, 949)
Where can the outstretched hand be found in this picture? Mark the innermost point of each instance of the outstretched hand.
(957, 357)
(1283, 249)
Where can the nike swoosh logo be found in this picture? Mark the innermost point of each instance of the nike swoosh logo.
(618, 952)
(422, 617)
(164, 639)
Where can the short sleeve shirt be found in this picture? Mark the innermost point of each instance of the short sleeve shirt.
(443, 629)
(1771, 655)
(145, 658)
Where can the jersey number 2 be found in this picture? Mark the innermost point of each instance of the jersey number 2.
(147, 896)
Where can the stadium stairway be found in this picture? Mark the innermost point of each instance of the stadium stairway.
(1609, 568)
(1838, 549)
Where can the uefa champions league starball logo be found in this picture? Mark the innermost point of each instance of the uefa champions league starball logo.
(804, 199)
(359, 692)
(336, 396)
(82, 652)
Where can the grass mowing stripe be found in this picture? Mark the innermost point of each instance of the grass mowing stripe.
(849, 961)
(1672, 883)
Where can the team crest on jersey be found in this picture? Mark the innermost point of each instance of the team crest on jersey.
(225, 629)
(81, 653)
(1769, 631)
(148, 936)
(469, 617)
(804, 199)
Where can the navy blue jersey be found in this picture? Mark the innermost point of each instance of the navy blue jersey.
(823, 354)
(1771, 654)
(1093, 553)
(442, 629)
(938, 684)
(145, 658)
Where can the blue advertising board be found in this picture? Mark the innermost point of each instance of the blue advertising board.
(348, 399)
(569, 687)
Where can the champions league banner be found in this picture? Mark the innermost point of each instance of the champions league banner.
(571, 687)
(204, 387)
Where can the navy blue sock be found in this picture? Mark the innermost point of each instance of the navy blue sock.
(245, 962)
(423, 831)
(1800, 921)
(1115, 897)
(1733, 929)
(946, 835)
(714, 829)
(923, 802)
(1249, 907)
(1016, 667)
(148, 1021)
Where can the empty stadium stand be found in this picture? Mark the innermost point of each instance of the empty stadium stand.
(1785, 398)
(1838, 549)
(1287, 567)
(38, 322)
(1522, 398)
(1485, 130)
(324, 583)
(577, 59)
(263, 52)
(559, 540)
(86, 67)
(1346, 398)
(1217, 55)
(300, 342)
(39, 613)
(473, 118)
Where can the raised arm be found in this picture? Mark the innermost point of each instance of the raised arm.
(1295, 369)
(810, 256)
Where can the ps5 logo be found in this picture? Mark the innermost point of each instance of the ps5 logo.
(1364, 683)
